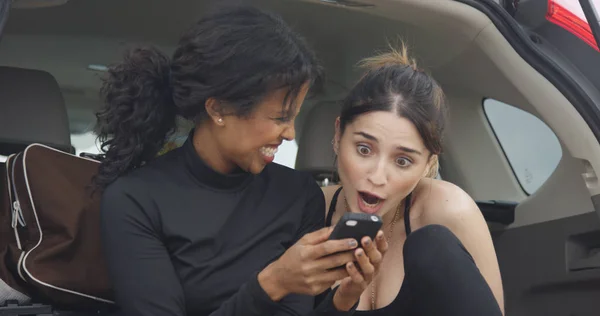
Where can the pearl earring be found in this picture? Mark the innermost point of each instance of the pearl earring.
(220, 120)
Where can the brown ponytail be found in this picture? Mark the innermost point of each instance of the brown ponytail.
(434, 167)
(397, 57)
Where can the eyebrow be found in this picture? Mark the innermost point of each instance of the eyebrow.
(373, 138)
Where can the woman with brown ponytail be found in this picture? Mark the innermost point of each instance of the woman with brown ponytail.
(214, 227)
(441, 260)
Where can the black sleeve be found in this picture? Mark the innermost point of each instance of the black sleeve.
(134, 254)
(295, 304)
(313, 218)
(144, 278)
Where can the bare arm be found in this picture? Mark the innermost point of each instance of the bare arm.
(452, 207)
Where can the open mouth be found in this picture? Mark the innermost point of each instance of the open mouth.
(268, 151)
(370, 200)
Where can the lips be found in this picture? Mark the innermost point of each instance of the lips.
(268, 153)
(369, 203)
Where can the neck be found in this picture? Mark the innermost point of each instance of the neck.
(207, 147)
(392, 215)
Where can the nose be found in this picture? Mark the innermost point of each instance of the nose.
(289, 133)
(378, 176)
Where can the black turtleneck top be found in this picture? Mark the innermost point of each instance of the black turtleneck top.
(182, 239)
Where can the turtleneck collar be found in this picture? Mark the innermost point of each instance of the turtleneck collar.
(206, 175)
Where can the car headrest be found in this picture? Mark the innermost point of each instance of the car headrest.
(315, 151)
(32, 110)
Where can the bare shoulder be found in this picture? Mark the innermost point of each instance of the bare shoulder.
(329, 191)
(442, 202)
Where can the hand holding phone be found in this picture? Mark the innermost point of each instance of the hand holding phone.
(357, 226)
(367, 259)
(324, 257)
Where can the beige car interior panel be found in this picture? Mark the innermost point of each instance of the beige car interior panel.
(551, 106)
(480, 170)
(489, 67)
(458, 44)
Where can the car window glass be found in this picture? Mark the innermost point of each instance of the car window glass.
(531, 147)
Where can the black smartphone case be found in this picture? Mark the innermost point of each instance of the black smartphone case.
(365, 225)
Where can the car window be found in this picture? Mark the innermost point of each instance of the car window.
(531, 147)
(85, 142)
(286, 154)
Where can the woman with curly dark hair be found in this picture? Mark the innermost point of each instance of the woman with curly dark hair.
(213, 227)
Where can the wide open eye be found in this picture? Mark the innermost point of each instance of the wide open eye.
(403, 162)
(363, 150)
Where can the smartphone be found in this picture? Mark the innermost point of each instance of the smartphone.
(357, 226)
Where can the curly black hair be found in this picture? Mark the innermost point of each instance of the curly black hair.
(236, 55)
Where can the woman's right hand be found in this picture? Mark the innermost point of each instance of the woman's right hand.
(309, 267)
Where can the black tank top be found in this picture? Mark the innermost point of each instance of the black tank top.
(334, 203)
(401, 305)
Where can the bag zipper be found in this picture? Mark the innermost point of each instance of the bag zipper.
(15, 207)
(17, 211)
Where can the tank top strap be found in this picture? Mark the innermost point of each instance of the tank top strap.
(332, 205)
(407, 204)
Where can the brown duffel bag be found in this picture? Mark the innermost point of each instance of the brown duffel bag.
(51, 209)
(11, 287)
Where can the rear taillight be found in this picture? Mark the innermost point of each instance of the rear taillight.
(569, 15)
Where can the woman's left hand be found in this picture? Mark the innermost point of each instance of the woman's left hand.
(369, 259)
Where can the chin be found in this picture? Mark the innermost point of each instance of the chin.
(251, 165)
(256, 168)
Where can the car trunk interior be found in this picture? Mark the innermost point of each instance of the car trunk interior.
(458, 44)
